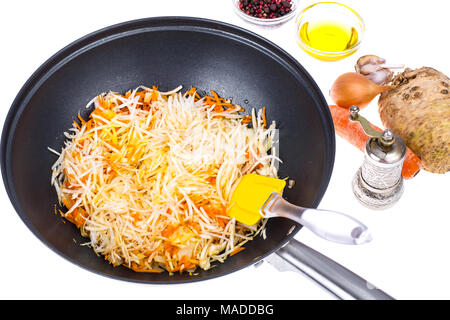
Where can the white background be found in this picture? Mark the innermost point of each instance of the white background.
(409, 257)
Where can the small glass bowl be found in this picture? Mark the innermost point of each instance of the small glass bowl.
(330, 12)
(266, 22)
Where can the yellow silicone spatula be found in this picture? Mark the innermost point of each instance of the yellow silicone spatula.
(258, 196)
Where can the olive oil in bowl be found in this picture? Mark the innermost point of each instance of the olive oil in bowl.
(329, 31)
(328, 36)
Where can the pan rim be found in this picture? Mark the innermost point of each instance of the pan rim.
(123, 29)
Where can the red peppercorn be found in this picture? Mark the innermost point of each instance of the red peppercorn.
(266, 9)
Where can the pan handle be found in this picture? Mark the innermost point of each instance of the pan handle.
(341, 282)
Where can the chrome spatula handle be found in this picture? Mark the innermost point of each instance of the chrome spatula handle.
(330, 225)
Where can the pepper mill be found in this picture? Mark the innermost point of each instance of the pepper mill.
(378, 183)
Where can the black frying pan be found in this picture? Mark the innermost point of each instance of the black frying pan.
(167, 52)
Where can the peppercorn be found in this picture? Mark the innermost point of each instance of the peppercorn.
(265, 9)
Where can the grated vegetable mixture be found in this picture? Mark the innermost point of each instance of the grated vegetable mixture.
(148, 177)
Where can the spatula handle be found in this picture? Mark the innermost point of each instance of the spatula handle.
(330, 225)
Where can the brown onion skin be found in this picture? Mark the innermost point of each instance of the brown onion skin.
(353, 89)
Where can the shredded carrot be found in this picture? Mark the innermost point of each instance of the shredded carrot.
(264, 117)
(81, 119)
(76, 124)
(134, 267)
(236, 250)
(247, 119)
(191, 91)
(216, 97)
(155, 95)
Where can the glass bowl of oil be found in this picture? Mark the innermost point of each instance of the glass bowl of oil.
(329, 31)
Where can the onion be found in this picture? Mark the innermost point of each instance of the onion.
(353, 89)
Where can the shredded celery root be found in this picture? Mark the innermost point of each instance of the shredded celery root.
(148, 177)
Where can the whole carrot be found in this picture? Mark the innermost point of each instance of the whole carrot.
(354, 133)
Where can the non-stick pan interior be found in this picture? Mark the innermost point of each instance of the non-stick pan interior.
(165, 52)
